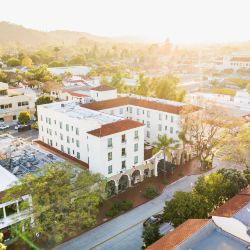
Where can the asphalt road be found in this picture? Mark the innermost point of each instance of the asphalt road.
(124, 232)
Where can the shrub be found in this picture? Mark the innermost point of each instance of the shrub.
(150, 192)
(118, 207)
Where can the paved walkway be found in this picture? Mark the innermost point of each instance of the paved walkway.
(124, 232)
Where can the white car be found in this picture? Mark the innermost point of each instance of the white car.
(3, 126)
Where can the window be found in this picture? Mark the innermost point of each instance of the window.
(171, 130)
(41, 117)
(136, 147)
(11, 209)
(166, 117)
(123, 164)
(61, 136)
(110, 169)
(130, 110)
(121, 110)
(68, 139)
(72, 128)
(136, 134)
(77, 131)
(166, 128)
(68, 150)
(123, 138)
(123, 151)
(138, 111)
(67, 127)
(61, 125)
(1, 213)
(78, 155)
(148, 134)
(172, 119)
(54, 121)
(135, 159)
(160, 116)
(77, 143)
(49, 121)
(148, 113)
(109, 142)
(109, 156)
(148, 124)
(72, 140)
(159, 127)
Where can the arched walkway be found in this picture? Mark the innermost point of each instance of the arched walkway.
(136, 177)
(169, 167)
(111, 188)
(123, 183)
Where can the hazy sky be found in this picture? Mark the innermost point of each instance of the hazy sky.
(180, 20)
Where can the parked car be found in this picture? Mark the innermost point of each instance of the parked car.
(154, 219)
(3, 126)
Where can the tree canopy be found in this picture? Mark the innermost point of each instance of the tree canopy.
(24, 117)
(150, 235)
(59, 212)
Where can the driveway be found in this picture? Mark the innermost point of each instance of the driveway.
(124, 232)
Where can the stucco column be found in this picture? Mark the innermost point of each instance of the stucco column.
(155, 167)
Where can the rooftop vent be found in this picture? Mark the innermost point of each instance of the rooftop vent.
(62, 105)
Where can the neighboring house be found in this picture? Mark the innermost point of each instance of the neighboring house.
(227, 229)
(240, 102)
(11, 212)
(15, 100)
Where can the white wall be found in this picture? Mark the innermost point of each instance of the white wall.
(103, 95)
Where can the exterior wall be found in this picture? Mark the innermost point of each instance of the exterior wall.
(156, 122)
(88, 148)
(50, 132)
(10, 105)
(8, 220)
(103, 95)
(99, 145)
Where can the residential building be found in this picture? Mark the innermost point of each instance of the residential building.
(235, 61)
(239, 103)
(15, 100)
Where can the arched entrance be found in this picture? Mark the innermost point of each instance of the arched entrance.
(136, 177)
(110, 188)
(169, 167)
(123, 183)
(146, 172)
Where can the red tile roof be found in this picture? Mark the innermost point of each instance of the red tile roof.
(76, 94)
(115, 127)
(122, 101)
(103, 88)
(178, 235)
(233, 205)
(240, 59)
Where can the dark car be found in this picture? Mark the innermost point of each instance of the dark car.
(154, 219)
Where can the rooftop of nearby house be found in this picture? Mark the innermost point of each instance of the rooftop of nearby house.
(103, 88)
(115, 127)
(228, 227)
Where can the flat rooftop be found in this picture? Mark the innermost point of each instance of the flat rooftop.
(73, 110)
(7, 179)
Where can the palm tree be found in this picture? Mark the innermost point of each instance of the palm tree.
(165, 144)
(183, 139)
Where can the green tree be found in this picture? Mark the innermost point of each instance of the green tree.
(215, 189)
(183, 206)
(26, 62)
(235, 147)
(143, 86)
(236, 177)
(3, 76)
(24, 117)
(13, 62)
(59, 212)
(2, 246)
(43, 99)
(166, 145)
(150, 235)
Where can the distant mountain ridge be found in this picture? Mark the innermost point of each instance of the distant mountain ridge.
(13, 34)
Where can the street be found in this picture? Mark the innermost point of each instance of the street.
(124, 232)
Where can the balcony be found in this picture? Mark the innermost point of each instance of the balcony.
(124, 155)
(110, 145)
(136, 138)
(124, 142)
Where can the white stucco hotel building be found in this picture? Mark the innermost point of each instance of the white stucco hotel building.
(109, 135)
